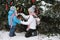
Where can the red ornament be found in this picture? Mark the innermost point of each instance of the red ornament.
(11, 3)
(6, 6)
(33, 1)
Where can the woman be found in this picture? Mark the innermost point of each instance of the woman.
(31, 22)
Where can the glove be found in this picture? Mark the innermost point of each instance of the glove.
(19, 13)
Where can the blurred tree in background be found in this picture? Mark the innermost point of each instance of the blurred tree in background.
(50, 20)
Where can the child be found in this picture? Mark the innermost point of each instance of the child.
(12, 20)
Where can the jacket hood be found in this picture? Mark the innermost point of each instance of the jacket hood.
(10, 12)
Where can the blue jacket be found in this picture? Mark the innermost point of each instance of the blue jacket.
(15, 20)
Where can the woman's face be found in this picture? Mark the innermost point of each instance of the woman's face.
(29, 12)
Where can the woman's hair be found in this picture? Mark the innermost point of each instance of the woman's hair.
(37, 11)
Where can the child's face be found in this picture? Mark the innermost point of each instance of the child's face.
(20, 17)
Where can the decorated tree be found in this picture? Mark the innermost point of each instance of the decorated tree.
(50, 19)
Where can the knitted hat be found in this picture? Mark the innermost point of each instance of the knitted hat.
(13, 8)
(32, 9)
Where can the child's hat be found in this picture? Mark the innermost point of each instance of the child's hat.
(13, 8)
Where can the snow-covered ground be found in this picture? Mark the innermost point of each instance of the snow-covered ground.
(4, 35)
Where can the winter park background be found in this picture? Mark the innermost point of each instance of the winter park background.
(48, 12)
